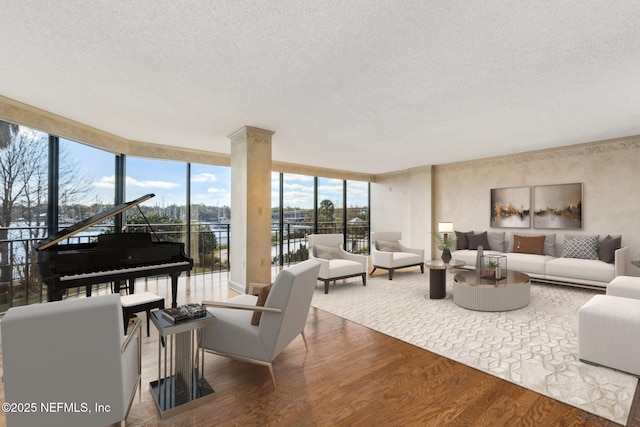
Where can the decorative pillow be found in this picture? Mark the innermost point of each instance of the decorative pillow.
(388, 246)
(496, 240)
(262, 298)
(607, 248)
(583, 247)
(549, 247)
(478, 239)
(528, 244)
(462, 241)
(327, 252)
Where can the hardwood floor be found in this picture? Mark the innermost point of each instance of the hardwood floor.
(350, 376)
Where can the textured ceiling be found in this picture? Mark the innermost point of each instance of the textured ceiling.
(367, 86)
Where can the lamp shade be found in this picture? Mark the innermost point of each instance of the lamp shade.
(445, 227)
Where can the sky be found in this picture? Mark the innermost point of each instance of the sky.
(210, 185)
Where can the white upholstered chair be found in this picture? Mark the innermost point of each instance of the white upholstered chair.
(388, 253)
(335, 262)
(282, 318)
(74, 352)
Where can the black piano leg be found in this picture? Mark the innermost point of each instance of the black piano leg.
(132, 286)
(88, 290)
(174, 289)
(54, 295)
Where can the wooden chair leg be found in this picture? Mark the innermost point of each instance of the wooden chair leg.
(391, 273)
(364, 279)
(374, 269)
(326, 286)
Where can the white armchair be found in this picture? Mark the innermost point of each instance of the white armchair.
(73, 352)
(283, 314)
(335, 262)
(388, 253)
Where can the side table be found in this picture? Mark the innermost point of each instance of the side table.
(182, 386)
(438, 276)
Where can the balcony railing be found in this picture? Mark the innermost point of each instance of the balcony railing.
(20, 283)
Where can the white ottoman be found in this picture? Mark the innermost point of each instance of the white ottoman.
(624, 286)
(609, 333)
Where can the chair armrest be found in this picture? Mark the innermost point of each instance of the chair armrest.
(353, 257)
(324, 265)
(381, 258)
(136, 328)
(240, 306)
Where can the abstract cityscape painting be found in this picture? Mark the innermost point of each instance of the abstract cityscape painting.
(557, 206)
(510, 207)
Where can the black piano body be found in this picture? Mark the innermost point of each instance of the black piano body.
(110, 258)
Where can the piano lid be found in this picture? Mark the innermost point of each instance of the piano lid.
(93, 220)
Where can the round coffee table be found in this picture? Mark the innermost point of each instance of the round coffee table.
(472, 292)
(438, 276)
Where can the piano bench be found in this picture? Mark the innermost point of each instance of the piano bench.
(135, 303)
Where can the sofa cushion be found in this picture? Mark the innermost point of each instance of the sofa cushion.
(581, 247)
(388, 246)
(327, 252)
(528, 244)
(607, 248)
(406, 258)
(582, 269)
(480, 239)
(462, 240)
(469, 257)
(527, 263)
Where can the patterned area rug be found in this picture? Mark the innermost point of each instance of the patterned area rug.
(535, 347)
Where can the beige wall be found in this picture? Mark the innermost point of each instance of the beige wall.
(608, 171)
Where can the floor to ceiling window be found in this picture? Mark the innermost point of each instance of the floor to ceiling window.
(357, 211)
(51, 183)
(166, 212)
(330, 203)
(210, 215)
(23, 207)
(86, 182)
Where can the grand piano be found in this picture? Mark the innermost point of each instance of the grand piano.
(113, 257)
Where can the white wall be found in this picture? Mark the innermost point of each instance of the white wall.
(402, 202)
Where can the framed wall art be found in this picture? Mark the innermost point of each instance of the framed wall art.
(510, 207)
(557, 206)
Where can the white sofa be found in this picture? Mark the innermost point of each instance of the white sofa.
(550, 266)
(608, 325)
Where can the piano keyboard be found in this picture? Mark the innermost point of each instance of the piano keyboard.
(121, 271)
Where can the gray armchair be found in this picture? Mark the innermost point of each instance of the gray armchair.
(388, 253)
(74, 352)
(283, 315)
(335, 262)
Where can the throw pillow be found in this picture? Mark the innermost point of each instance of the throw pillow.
(528, 244)
(388, 246)
(583, 247)
(262, 299)
(462, 241)
(496, 240)
(327, 252)
(607, 248)
(478, 239)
